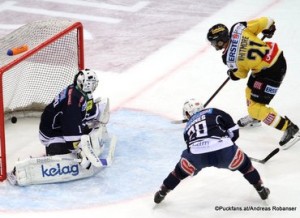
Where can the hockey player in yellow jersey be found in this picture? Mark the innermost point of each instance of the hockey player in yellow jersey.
(244, 52)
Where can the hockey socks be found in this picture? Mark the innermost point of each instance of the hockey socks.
(253, 178)
(172, 180)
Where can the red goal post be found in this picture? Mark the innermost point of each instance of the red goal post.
(30, 80)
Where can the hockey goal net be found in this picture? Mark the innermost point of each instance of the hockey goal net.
(30, 80)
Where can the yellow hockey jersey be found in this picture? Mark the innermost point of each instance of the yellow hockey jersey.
(246, 52)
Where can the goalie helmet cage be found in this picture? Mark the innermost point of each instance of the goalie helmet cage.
(30, 80)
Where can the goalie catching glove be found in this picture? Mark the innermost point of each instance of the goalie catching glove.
(103, 116)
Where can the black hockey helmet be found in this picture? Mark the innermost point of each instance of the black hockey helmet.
(218, 35)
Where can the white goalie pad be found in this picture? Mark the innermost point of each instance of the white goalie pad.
(86, 147)
(98, 147)
(50, 169)
(103, 145)
(103, 104)
(102, 116)
(108, 155)
(97, 137)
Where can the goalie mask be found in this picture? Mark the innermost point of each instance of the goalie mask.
(191, 107)
(86, 80)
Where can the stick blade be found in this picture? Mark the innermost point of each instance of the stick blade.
(271, 154)
(268, 157)
(178, 121)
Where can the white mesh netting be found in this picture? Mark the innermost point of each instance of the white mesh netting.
(33, 82)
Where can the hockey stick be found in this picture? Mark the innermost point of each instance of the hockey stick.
(206, 103)
(211, 98)
(268, 157)
(111, 152)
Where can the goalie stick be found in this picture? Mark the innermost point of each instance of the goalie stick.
(111, 152)
(268, 157)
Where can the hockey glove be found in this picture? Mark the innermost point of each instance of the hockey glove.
(269, 32)
(231, 75)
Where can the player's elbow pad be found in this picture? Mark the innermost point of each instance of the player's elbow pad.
(235, 135)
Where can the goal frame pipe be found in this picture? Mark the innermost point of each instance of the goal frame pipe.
(80, 47)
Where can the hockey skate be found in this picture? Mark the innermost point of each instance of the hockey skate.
(161, 194)
(248, 121)
(290, 136)
(11, 177)
(262, 191)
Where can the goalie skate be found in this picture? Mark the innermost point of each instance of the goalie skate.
(11, 177)
(290, 136)
(248, 121)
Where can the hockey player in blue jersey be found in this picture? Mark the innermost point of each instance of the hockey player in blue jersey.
(210, 136)
(73, 130)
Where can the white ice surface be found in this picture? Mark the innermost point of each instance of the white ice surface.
(145, 98)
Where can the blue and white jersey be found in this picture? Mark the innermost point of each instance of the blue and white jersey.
(210, 130)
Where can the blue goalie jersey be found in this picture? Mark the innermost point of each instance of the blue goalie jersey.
(66, 115)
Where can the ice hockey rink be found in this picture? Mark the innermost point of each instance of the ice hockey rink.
(150, 57)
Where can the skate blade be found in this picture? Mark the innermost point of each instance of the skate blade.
(293, 141)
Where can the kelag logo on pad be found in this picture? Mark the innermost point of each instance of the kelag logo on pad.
(58, 170)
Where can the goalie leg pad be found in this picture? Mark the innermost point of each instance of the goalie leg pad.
(103, 145)
(50, 169)
(98, 138)
(86, 147)
(104, 110)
